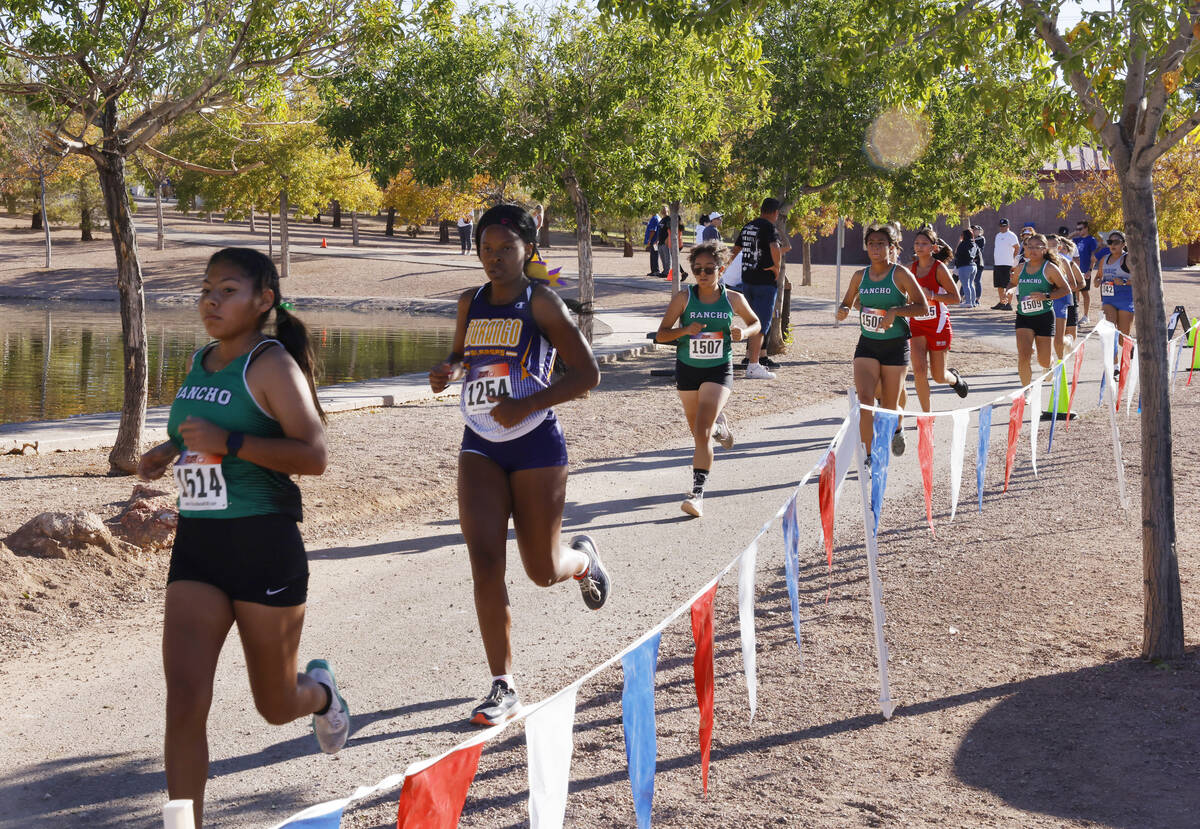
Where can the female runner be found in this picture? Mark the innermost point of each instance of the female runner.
(246, 419)
(703, 357)
(1036, 283)
(1116, 284)
(513, 460)
(931, 333)
(1066, 312)
(888, 293)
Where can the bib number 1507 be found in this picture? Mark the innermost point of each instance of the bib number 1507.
(707, 345)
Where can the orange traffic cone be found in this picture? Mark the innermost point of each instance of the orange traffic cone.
(323, 242)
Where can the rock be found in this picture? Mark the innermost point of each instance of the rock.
(59, 534)
(148, 520)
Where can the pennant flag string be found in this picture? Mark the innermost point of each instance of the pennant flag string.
(881, 454)
(749, 560)
(870, 522)
(433, 798)
(1126, 353)
(1134, 368)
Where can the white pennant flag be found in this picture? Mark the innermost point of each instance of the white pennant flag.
(1108, 333)
(548, 736)
(1173, 361)
(1131, 383)
(958, 444)
(1035, 415)
(746, 620)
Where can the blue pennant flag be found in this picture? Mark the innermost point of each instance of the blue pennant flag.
(328, 820)
(1054, 380)
(791, 565)
(985, 435)
(881, 456)
(1103, 379)
(637, 716)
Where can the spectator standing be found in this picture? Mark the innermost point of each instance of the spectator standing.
(980, 246)
(1087, 246)
(712, 233)
(651, 240)
(1004, 257)
(965, 256)
(701, 224)
(466, 226)
(758, 243)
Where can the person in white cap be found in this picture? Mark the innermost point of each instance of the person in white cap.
(713, 231)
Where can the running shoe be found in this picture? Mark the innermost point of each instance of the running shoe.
(1007, 307)
(594, 584)
(499, 705)
(898, 443)
(759, 372)
(722, 432)
(693, 504)
(1083, 320)
(959, 385)
(764, 360)
(999, 306)
(333, 727)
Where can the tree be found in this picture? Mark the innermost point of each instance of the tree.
(122, 72)
(1121, 74)
(23, 128)
(1176, 198)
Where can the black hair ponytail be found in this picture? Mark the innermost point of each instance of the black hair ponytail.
(289, 330)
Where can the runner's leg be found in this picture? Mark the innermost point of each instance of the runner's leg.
(196, 621)
(1043, 353)
(1125, 322)
(1060, 330)
(538, 496)
(271, 641)
(1024, 354)
(866, 378)
(484, 506)
(920, 366)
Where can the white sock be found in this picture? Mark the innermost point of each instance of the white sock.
(507, 679)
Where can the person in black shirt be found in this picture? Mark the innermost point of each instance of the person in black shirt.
(964, 262)
(758, 243)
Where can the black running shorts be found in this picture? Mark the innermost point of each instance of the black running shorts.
(259, 558)
(1041, 324)
(1000, 275)
(893, 352)
(689, 378)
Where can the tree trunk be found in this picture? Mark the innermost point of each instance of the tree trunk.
(673, 246)
(583, 224)
(805, 263)
(85, 224)
(158, 212)
(36, 221)
(41, 216)
(125, 453)
(253, 226)
(317, 219)
(544, 230)
(10, 204)
(337, 213)
(354, 226)
(210, 221)
(1162, 635)
(390, 229)
(444, 232)
(270, 237)
(284, 251)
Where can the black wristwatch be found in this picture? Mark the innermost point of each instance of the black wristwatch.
(233, 443)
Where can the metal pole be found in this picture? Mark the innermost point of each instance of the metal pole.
(841, 239)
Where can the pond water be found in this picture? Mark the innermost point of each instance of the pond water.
(62, 359)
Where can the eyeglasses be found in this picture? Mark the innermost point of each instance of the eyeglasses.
(707, 271)
(1116, 241)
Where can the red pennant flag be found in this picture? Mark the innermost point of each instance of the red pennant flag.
(1015, 416)
(825, 500)
(702, 669)
(1126, 353)
(433, 798)
(1074, 381)
(925, 455)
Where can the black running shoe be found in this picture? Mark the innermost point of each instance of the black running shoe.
(764, 360)
(595, 583)
(500, 704)
(959, 385)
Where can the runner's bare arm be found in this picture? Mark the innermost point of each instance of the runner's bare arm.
(851, 295)
(154, 462)
(449, 370)
(583, 373)
(1060, 287)
(277, 382)
(667, 332)
(742, 308)
(946, 282)
(918, 304)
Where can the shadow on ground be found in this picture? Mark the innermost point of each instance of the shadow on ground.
(1117, 744)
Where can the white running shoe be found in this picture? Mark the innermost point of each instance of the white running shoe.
(758, 371)
(1083, 320)
(694, 504)
(333, 727)
(721, 431)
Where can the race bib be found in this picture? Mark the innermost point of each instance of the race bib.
(1108, 289)
(872, 321)
(1032, 306)
(492, 381)
(201, 482)
(707, 345)
(927, 317)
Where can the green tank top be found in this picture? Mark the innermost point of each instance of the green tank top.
(1032, 283)
(712, 346)
(877, 297)
(220, 486)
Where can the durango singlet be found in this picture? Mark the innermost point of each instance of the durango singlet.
(712, 346)
(876, 297)
(505, 355)
(222, 486)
